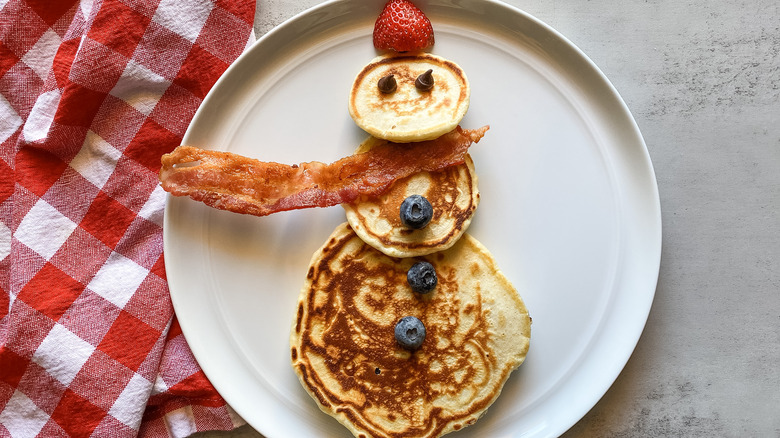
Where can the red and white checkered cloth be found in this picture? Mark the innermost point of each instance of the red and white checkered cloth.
(92, 93)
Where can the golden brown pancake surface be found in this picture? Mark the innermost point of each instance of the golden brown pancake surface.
(453, 193)
(408, 113)
(345, 354)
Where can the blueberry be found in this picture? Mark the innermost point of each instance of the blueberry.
(416, 212)
(410, 332)
(422, 277)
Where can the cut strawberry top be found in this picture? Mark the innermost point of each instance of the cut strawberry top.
(402, 27)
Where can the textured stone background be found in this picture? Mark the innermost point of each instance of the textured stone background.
(702, 79)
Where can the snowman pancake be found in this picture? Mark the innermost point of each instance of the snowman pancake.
(405, 326)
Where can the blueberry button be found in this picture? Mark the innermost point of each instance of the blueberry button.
(422, 277)
(410, 332)
(416, 212)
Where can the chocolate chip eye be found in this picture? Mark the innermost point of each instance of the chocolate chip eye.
(387, 84)
(424, 82)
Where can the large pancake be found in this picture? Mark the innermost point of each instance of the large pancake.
(346, 356)
(453, 192)
(408, 114)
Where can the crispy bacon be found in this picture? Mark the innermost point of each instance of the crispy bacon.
(236, 183)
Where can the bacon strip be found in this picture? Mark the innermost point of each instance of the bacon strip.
(239, 184)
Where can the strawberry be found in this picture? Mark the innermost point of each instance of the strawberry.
(402, 27)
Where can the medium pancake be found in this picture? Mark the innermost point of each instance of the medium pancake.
(453, 193)
(346, 356)
(408, 114)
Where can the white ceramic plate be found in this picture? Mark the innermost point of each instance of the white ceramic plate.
(570, 210)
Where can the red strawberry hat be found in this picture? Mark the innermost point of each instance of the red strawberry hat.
(402, 27)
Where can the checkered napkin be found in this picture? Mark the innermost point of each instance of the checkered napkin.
(92, 93)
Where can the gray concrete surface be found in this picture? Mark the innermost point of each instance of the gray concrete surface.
(702, 79)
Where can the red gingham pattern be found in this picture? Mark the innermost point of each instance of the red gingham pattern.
(92, 93)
